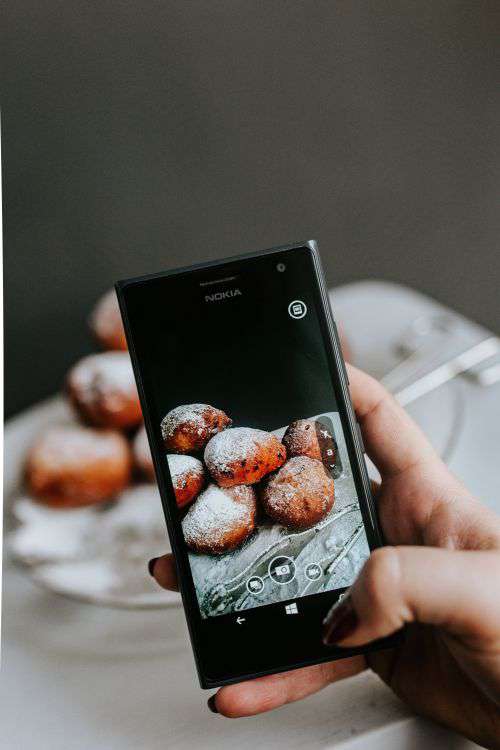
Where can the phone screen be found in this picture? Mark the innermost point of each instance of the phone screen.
(249, 432)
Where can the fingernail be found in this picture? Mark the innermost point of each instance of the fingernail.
(340, 622)
(211, 704)
(151, 566)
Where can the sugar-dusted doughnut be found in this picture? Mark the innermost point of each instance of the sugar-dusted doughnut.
(309, 437)
(187, 428)
(106, 322)
(188, 477)
(71, 466)
(220, 519)
(300, 494)
(102, 389)
(142, 454)
(243, 455)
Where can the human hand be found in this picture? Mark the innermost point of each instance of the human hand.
(441, 577)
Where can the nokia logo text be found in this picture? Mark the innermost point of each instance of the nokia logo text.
(222, 295)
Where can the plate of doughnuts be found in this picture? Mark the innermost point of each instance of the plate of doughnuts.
(84, 509)
(248, 497)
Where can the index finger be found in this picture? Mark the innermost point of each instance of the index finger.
(163, 570)
(392, 439)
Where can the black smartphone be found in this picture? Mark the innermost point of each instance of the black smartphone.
(257, 454)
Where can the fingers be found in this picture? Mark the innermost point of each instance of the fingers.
(163, 570)
(392, 440)
(398, 585)
(270, 692)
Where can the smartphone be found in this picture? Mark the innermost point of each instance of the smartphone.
(257, 454)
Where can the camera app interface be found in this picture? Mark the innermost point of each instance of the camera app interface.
(248, 426)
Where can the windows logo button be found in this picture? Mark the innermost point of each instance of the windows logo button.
(291, 609)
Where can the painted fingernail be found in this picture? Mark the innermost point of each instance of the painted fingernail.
(151, 566)
(340, 622)
(211, 704)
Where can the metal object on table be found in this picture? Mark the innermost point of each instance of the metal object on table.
(485, 376)
(421, 345)
(424, 344)
(455, 366)
(421, 341)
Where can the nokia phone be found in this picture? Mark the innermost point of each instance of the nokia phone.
(257, 454)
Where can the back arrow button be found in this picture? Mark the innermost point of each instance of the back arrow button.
(239, 620)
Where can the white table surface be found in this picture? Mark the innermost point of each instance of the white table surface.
(79, 677)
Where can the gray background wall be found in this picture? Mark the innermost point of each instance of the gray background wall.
(143, 135)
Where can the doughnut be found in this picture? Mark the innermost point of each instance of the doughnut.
(142, 454)
(188, 477)
(300, 494)
(220, 519)
(71, 466)
(243, 455)
(106, 322)
(187, 428)
(309, 437)
(101, 387)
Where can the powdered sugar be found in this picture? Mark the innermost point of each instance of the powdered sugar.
(141, 448)
(233, 446)
(142, 453)
(107, 376)
(301, 477)
(105, 318)
(182, 466)
(187, 428)
(67, 446)
(192, 415)
(216, 512)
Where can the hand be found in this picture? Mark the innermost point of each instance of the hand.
(441, 577)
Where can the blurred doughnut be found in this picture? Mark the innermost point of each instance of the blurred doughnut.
(102, 389)
(106, 322)
(142, 454)
(71, 466)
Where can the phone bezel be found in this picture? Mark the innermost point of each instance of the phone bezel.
(198, 629)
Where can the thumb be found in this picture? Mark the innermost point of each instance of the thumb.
(398, 585)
